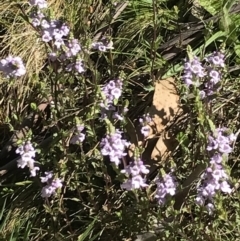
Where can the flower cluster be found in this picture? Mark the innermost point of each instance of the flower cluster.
(165, 186)
(57, 34)
(145, 129)
(214, 73)
(216, 59)
(103, 45)
(12, 67)
(111, 91)
(27, 153)
(215, 178)
(51, 185)
(193, 71)
(114, 146)
(134, 171)
(38, 3)
(206, 77)
(79, 137)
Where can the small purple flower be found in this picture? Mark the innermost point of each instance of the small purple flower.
(46, 37)
(56, 32)
(216, 59)
(210, 208)
(48, 177)
(79, 137)
(51, 185)
(79, 66)
(52, 56)
(213, 181)
(135, 168)
(72, 48)
(76, 67)
(196, 68)
(217, 158)
(165, 186)
(215, 178)
(27, 153)
(102, 45)
(58, 43)
(38, 3)
(202, 94)
(214, 76)
(12, 67)
(37, 18)
(145, 130)
(134, 172)
(45, 24)
(135, 182)
(111, 91)
(193, 70)
(114, 146)
(33, 171)
(220, 142)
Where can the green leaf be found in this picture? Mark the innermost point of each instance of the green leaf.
(24, 183)
(33, 106)
(87, 232)
(237, 50)
(211, 124)
(212, 6)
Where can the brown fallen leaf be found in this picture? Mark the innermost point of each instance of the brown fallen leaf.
(164, 110)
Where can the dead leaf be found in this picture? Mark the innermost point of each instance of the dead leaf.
(165, 104)
(164, 110)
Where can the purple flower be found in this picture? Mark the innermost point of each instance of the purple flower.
(214, 76)
(202, 94)
(111, 91)
(54, 30)
(217, 158)
(134, 172)
(215, 178)
(72, 48)
(102, 45)
(36, 18)
(52, 56)
(46, 37)
(48, 177)
(208, 75)
(76, 67)
(64, 48)
(38, 3)
(114, 146)
(220, 142)
(135, 168)
(210, 208)
(79, 137)
(193, 70)
(196, 68)
(135, 182)
(165, 186)
(58, 43)
(51, 185)
(12, 67)
(79, 66)
(216, 59)
(145, 130)
(27, 153)
(33, 171)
